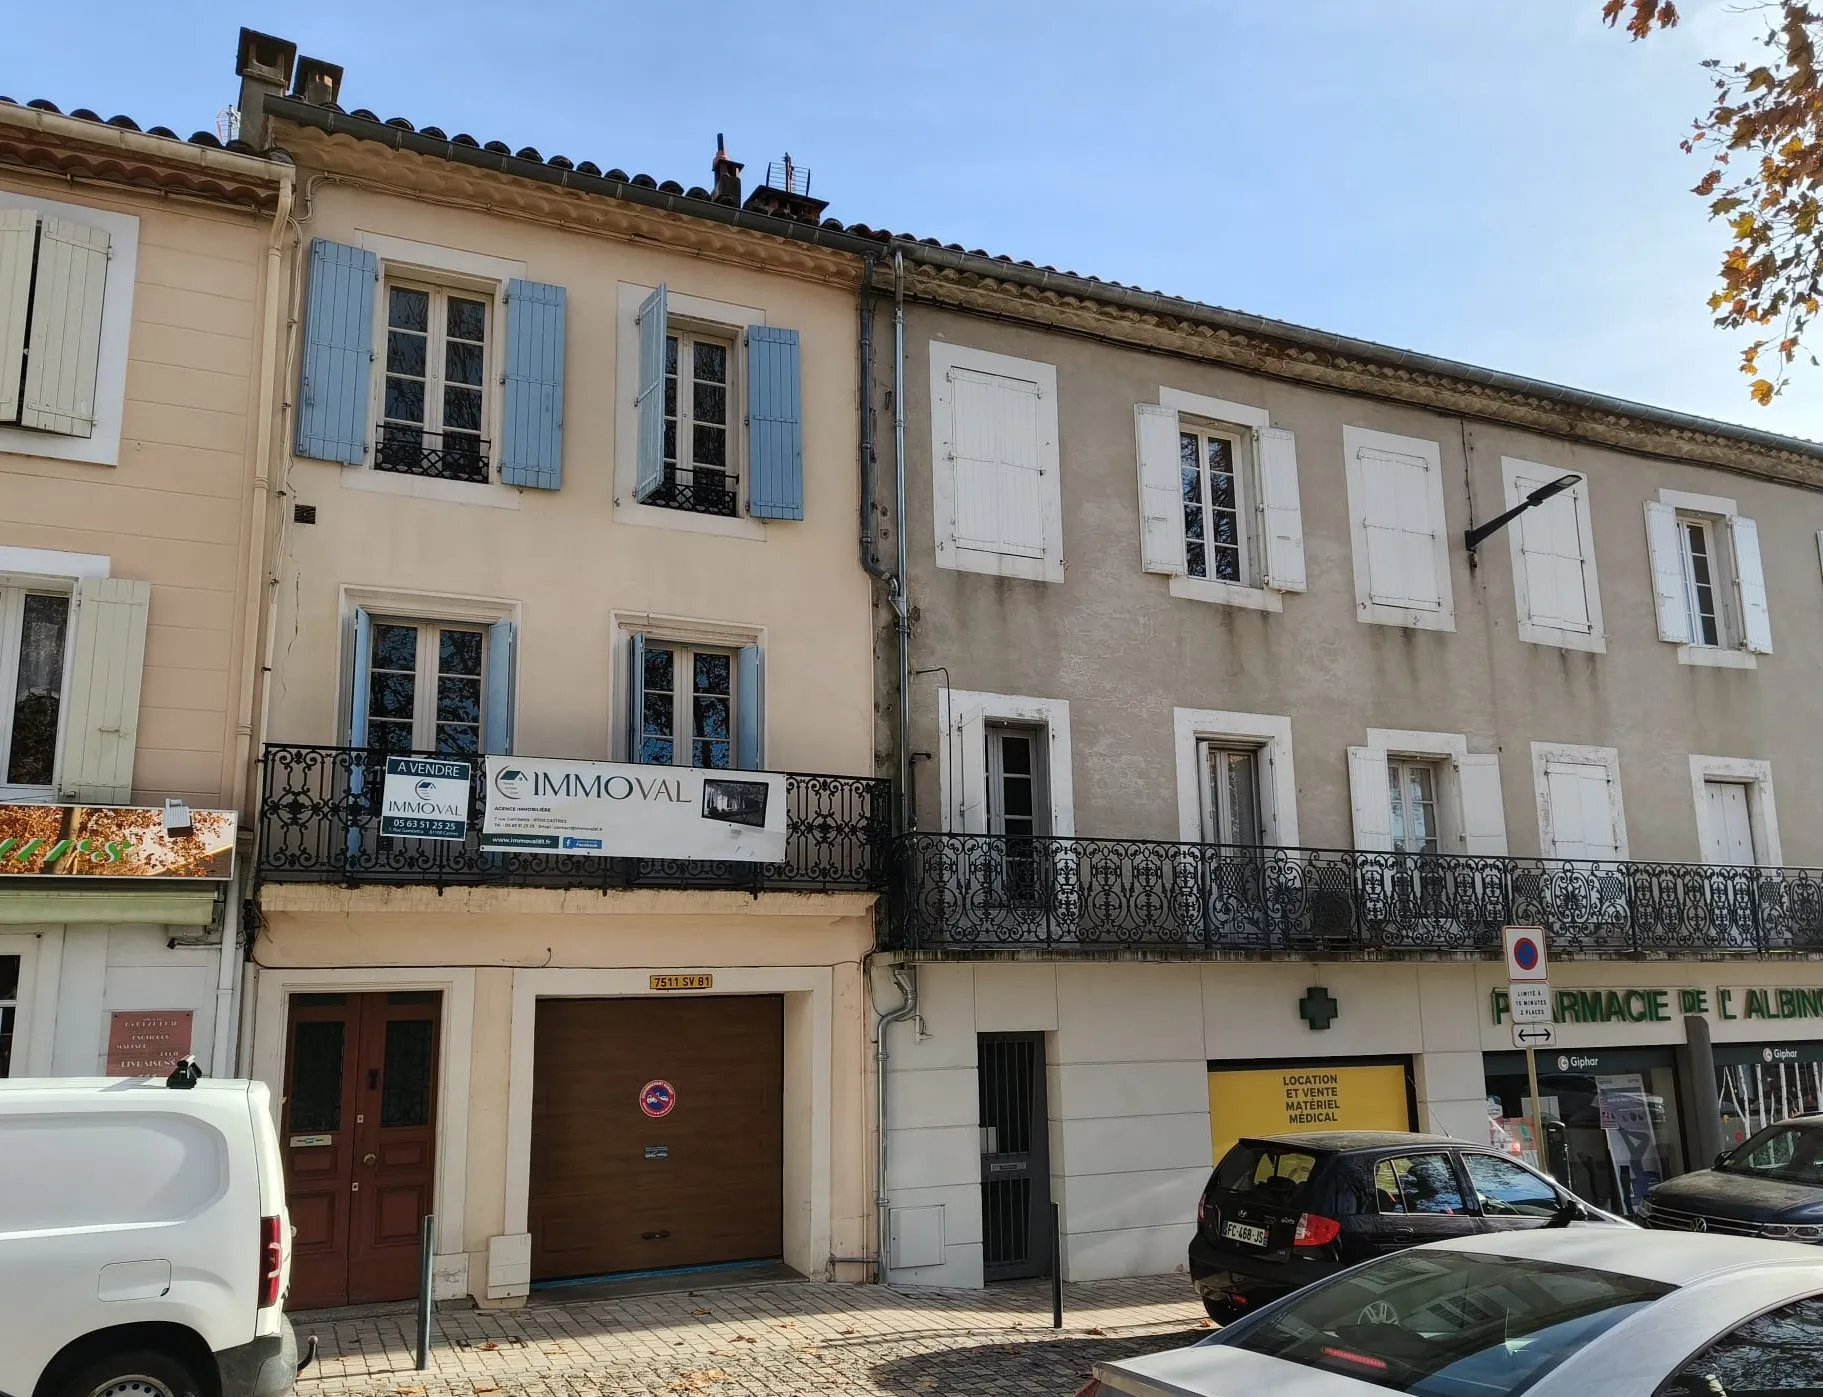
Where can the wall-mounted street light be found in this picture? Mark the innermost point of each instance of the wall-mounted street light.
(1474, 537)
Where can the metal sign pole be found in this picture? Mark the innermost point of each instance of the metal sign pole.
(1540, 1155)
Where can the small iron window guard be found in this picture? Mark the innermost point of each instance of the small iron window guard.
(437, 455)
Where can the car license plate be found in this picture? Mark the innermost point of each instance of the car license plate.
(1241, 1232)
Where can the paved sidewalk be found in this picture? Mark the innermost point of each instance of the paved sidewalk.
(770, 1340)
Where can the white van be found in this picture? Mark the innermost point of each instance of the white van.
(144, 1243)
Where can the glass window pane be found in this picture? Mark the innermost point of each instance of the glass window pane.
(462, 409)
(405, 1077)
(458, 699)
(1780, 1351)
(1387, 1192)
(9, 977)
(405, 353)
(655, 751)
(316, 1078)
(392, 695)
(404, 400)
(712, 717)
(467, 319)
(6, 1040)
(462, 363)
(710, 447)
(408, 309)
(715, 756)
(459, 652)
(711, 362)
(389, 735)
(38, 696)
(1506, 1190)
(395, 647)
(1196, 560)
(659, 665)
(1428, 1185)
(671, 354)
(670, 449)
(714, 674)
(458, 739)
(709, 403)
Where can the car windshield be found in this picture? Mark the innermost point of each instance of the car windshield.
(1274, 1173)
(1445, 1324)
(1793, 1153)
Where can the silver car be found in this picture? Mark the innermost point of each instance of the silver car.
(1563, 1313)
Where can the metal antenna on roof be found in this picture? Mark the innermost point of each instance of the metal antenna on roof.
(227, 124)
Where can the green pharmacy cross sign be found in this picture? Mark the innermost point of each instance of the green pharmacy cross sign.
(1318, 1007)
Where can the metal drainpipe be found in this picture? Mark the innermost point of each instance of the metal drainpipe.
(906, 978)
(907, 816)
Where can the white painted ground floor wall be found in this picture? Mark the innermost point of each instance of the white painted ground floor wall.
(73, 977)
(1127, 1053)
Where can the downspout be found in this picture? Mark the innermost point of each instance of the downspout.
(907, 815)
(906, 978)
(231, 967)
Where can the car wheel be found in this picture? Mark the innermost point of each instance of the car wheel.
(1217, 1311)
(138, 1373)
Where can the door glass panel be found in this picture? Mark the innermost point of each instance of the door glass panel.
(392, 688)
(459, 692)
(658, 717)
(1389, 1197)
(1506, 1190)
(38, 695)
(405, 1080)
(712, 711)
(316, 1077)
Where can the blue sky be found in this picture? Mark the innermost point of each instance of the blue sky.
(1494, 182)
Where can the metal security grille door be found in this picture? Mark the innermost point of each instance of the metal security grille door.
(1015, 1157)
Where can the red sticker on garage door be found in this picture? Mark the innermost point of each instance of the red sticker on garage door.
(657, 1098)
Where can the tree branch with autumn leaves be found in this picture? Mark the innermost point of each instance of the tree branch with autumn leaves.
(1764, 139)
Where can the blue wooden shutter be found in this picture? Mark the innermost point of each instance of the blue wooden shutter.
(338, 354)
(497, 705)
(636, 694)
(749, 709)
(360, 657)
(775, 430)
(532, 454)
(650, 472)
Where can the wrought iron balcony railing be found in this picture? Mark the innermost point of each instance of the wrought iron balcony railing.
(409, 450)
(320, 815)
(969, 893)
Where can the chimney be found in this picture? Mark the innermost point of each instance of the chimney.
(263, 64)
(786, 193)
(317, 82)
(727, 175)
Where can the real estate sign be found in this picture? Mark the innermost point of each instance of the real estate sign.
(613, 810)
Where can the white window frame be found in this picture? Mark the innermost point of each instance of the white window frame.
(1270, 733)
(687, 314)
(440, 290)
(424, 680)
(944, 357)
(1213, 799)
(41, 570)
(1355, 440)
(421, 609)
(680, 633)
(688, 333)
(1712, 510)
(1447, 834)
(1521, 478)
(102, 446)
(683, 709)
(1609, 757)
(1239, 421)
(963, 712)
(1451, 749)
(1762, 806)
(427, 265)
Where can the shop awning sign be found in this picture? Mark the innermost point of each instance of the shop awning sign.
(114, 841)
(614, 810)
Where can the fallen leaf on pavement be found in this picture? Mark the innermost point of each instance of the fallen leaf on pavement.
(702, 1312)
(488, 1347)
(1100, 1332)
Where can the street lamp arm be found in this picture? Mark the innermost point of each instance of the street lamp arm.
(1475, 536)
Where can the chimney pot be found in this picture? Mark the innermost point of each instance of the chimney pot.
(727, 174)
(317, 82)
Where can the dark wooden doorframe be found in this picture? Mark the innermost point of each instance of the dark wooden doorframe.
(1015, 1156)
(359, 1141)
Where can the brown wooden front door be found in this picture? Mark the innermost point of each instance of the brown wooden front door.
(614, 1188)
(360, 1143)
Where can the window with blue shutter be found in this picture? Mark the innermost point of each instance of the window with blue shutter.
(689, 706)
(532, 453)
(338, 354)
(497, 707)
(649, 476)
(775, 432)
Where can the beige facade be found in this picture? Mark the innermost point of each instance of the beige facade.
(580, 576)
(1203, 670)
(140, 301)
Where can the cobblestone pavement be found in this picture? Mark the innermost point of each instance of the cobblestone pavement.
(774, 1340)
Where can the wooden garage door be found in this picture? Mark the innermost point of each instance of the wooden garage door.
(616, 1189)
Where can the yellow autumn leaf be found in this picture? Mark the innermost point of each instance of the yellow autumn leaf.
(1761, 391)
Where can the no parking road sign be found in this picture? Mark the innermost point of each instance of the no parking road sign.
(1525, 954)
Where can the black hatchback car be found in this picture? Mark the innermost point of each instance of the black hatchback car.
(1282, 1211)
(1770, 1185)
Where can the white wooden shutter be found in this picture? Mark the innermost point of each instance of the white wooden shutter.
(1281, 514)
(101, 711)
(1400, 531)
(18, 237)
(65, 342)
(1582, 816)
(1161, 492)
(1552, 549)
(969, 800)
(1367, 788)
(1750, 585)
(994, 448)
(1667, 573)
(1484, 821)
